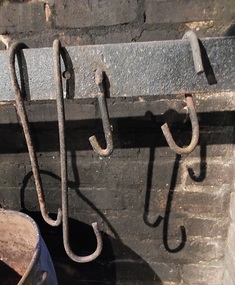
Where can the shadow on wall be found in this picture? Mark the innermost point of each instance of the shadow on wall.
(170, 197)
(117, 263)
(231, 31)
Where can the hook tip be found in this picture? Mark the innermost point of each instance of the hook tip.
(94, 144)
(165, 127)
(58, 220)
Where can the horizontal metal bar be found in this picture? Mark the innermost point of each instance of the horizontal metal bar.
(134, 69)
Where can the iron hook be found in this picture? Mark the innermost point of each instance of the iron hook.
(198, 65)
(105, 119)
(197, 57)
(63, 161)
(195, 130)
(21, 111)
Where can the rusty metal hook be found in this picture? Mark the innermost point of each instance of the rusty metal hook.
(105, 119)
(21, 111)
(197, 57)
(63, 161)
(198, 65)
(195, 130)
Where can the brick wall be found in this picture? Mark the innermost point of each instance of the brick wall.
(165, 219)
(96, 21)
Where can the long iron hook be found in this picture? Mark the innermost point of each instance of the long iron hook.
(105, 119)
(63, 161)
(195, 130)
(21, 111)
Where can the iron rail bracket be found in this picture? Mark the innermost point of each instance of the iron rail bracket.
(131, 70)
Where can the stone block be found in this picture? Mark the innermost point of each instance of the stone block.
(12, 174)
(229, 265)
(195, 274)
(179, 11)
(232, 207)
(209, 202)
(227, 278)
(210, 173)
(22, 17)
(231, 238)
(195, 250)
(86, 13)
(170, 272)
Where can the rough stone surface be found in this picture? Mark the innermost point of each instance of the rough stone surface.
(94, 13)
(195, 274)
(22, 17)
(184, 11)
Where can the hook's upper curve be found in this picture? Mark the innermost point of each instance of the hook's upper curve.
(63, 161)
(21, 111)
(195, 131)
(197, 57)
(105, 119)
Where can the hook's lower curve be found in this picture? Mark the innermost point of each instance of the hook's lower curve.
(21, 111)
(195, 131)
(197, 57)
(63, 161)
(105, 119)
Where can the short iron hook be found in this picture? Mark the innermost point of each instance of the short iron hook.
(195, 130)
(105, 119)
(63, 161)
(197, 57)
(21, 111)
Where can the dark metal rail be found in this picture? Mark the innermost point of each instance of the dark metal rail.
(131, 70)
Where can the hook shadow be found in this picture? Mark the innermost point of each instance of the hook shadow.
(85, 199)
(23, 74)
(71, 185)
(110, 267)
(148, 192)
(168, 211)
(170, 197)
(68, 74)
(209, 72)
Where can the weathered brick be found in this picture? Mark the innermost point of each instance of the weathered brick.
(22, 17)
(232, 207)
(195, 274)
(210, 173)
(10, 198)
(45, 39)
(107, 173)
(195, 250)
(12, 174)
(161, 34)
(209, 202)
(133, 222)
(230, 265)
(227, 278)
(170, 272)
(231, 237)
(179, 11)
(214, 142)
(131, 270)
(84, 199)
(114, 37)
(94, 13)
(206, 227)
